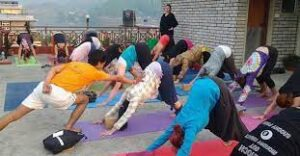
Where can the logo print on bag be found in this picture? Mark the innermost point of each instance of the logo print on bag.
(266, 134)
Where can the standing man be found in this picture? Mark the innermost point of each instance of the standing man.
(167, 24)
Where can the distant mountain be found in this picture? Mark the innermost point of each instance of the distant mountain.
(102, 12)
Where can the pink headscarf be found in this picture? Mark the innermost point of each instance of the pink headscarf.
(164, 40)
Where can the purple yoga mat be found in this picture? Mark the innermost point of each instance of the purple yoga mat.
(138, 124)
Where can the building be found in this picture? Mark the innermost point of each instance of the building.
(241, 24)
(13, 16)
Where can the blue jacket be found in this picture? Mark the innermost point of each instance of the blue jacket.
(194, 116)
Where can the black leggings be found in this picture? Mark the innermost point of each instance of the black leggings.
(267, 79)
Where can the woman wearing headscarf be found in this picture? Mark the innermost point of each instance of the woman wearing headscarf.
(208, 105)
(138, 53)
(157, 79)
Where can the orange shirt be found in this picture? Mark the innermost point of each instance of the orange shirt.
(76, 75)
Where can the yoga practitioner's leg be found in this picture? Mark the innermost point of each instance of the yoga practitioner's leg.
(14, 116)
(81, 102)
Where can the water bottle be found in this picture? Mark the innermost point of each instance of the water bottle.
(2, 55)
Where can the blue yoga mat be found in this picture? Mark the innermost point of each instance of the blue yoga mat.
(16, 93)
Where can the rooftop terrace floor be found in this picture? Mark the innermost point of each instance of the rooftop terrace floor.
(24, 137)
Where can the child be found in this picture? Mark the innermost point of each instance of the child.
(61, 51)
(62, 88)
(157, 79)
(26, 49)
(249, 72)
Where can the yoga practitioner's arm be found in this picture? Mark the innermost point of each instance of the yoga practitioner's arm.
(55, 51)
(51, 74)
(189, 137)
(67, 50)
(19, 52)
(268, 110)
(120, 78)
(114, 91)
(133, 105)
(156, 51)
(162, 139)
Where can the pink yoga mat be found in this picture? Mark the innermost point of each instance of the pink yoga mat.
(251, 123)
(200, 148)
(138, 124)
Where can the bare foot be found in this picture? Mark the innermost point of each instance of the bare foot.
(99, 122)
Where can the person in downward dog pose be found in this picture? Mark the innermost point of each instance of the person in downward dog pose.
(247, 74)
(157, 79)
(211, 106)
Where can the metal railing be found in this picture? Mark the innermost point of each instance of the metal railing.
(74, 35)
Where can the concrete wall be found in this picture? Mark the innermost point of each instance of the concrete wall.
(225, 22)
(212, 22)
(285, 30)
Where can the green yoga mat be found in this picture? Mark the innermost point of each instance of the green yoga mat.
(151, 43)
(32, 62)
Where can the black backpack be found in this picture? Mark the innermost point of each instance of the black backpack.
(62, 140)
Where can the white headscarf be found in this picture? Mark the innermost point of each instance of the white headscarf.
(226, 50)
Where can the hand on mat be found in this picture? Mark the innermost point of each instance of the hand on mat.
(107, 132)
(47, 88)
(260, 117)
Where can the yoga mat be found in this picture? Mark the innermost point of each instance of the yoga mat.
(100, 100)
(213, 147)
(31, 63)
(253, 100)
(16, 93)
(251, 123)
(137, 124)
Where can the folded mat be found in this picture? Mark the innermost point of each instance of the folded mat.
(32, 62)
(137, 124)
(213, 147)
